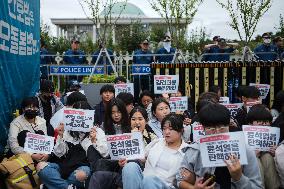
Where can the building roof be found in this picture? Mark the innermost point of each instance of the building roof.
(124, 10)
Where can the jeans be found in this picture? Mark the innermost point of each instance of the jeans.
(51, 178)
(105, 180)
(132, 178)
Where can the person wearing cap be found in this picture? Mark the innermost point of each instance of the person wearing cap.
(142, 82)
(167, 52)
(266, 51)
(220, 52)
(74, 55)
(73, 85)
(49, 104)
(278, 42)
(103, 58)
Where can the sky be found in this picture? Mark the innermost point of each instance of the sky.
(209, 15)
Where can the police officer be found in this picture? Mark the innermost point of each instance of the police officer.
(142, 56)
(167, 51)
(266, 51)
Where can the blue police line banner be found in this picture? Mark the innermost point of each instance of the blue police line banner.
(75, 70)
(141, 69)
(19, 57)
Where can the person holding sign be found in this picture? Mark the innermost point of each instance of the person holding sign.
(160, 108)
(76, 150)
(27, 122)
(145, 99)
(215, 119)
(110, 179)
(259, 115)
(163, 157)
(250, 96)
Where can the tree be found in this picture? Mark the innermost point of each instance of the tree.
(101, 14)
(280, 28)
(245, 15)
(177, 14)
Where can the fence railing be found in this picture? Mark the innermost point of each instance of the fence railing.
(196, 76)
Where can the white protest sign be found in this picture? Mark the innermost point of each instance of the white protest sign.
(38, 143)
(215, 149)
(261, 137)
(128, 145)
(233, 108)
(78, 120)
(166, 84)
(197, 131)
(57, 118)
(81, 91)
(178, 103)
(251, 104)
(224, 100)
(263, 89)
(124, 87)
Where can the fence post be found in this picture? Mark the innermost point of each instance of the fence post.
(216, 76)
(196, 84)
(225, 81)
(120, 62)
(187, 84)
(272, 72)
(206, 79)
(257, 75)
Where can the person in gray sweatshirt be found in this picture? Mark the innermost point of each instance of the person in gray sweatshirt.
(215, 119)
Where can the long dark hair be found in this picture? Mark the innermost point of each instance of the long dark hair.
(108, 122)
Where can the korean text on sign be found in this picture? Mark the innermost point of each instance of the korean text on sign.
(233, 108)
(224, 100)
(217, 148)
(129, 146)
(261, 137)
(197, 131)
(124, 88)
(263, 89)
(166, 84)
(78, 120)
(38, 143)
(178, 103)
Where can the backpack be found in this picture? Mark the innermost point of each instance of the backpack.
(19, 172)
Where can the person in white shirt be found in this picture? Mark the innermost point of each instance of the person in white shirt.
(163, 157)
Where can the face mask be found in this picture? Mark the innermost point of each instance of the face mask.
(31, 114)
(167, 46)
(267, 41)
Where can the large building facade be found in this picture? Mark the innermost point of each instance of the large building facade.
(128, 13)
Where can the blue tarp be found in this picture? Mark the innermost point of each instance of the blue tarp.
(19, 57)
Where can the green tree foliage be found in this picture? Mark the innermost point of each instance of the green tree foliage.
(245, 15)
(177, 14)
(280, 28)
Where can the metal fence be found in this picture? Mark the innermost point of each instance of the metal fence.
(196, 76)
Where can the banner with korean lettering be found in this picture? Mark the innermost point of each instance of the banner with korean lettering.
(19, 57)
(178, 103)
(263, 89)
(261, 138)
(38, 143)
(166, 84)
(233, 108)
(197, 131)
(78, 120)
(215, 149)
(124, 87)
(128, 145)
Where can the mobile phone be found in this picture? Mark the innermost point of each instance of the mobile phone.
(208, 176)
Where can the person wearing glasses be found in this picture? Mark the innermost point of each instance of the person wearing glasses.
(266, 51)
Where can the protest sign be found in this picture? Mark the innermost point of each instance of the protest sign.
(166, 84)
(263, 89)
(178, 103)
(124, 88)
(261, 137)
(215, 149)
(128, 145)
(78, 120)
(224, 100)
(251, 104)
(38, 143)
(197, 131)
(233, 108)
